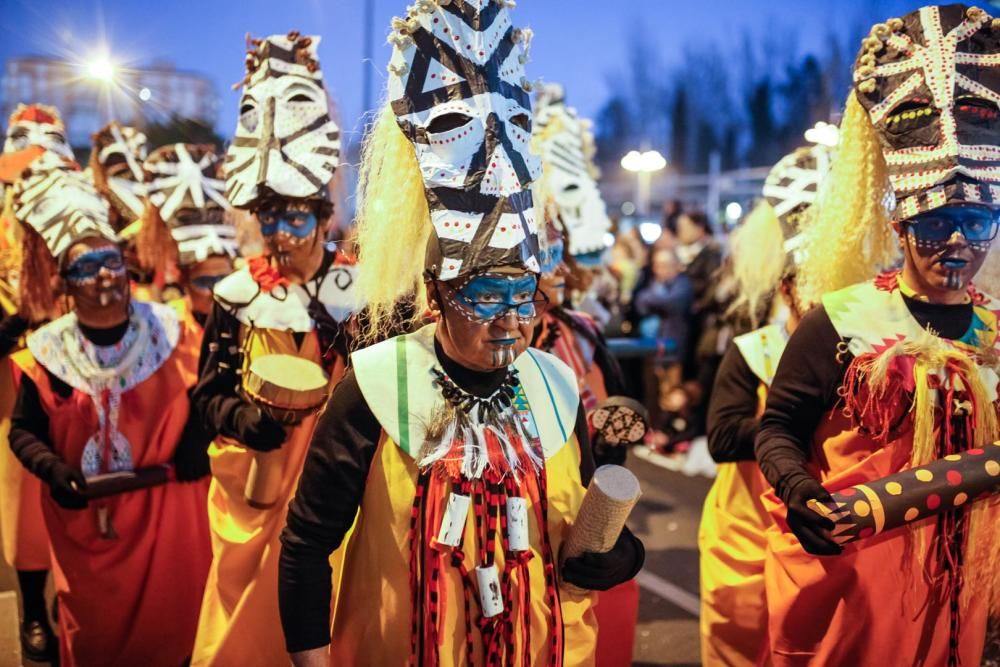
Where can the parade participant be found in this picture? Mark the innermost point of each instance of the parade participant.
(894, 372)
(456, 442)
(731, 538)
(116, 169)
(571, 207)
(103, 389)
(31, 130)
(295, 301)
(184, 222)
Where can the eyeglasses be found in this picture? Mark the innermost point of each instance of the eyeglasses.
(977, 224)
(87, 266)
(486, 303)
(207, 282)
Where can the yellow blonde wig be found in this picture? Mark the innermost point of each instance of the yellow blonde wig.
(758, 260)
(393, 226)
(851, 237)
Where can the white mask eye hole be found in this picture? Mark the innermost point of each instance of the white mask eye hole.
(522, 121)
(301, 98)
(447, 122)
(248, 114)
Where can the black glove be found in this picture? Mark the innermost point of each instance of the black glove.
(66, 484)
(258, 430)
(605, 454)
(812, 529)
(191, 461)
(600, 572)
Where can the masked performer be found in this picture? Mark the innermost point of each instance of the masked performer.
(30, 130)
(899, 371)
(571, 205)
(103, 389)
(184, 222)
(731, 538)
(457, 443)
(116, 167)
(291, 305)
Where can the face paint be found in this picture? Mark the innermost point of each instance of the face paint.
(86, 268)
(931, 87)
(299, 224)
(37, 125)
(978, 225)
(489, 297)
(60, 203)
(286, 140)
(457, 89)
(568, 185)
(552, 256)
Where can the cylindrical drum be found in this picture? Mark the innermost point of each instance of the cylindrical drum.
(612, 494)
(864, 510)
(288, 389)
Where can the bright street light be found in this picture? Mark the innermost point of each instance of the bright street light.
(643, 164)
(646, 161)
(145, 94)
(733, 211)
(823, 133)
(101, 69)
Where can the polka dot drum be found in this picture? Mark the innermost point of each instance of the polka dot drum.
(864, 510)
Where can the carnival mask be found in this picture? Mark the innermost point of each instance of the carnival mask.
(120, 151)
(60, 203)
(792, 186)
(457, 88)
(285, 140)
(37, 125)
(930, 82)
(183, 185)
(568, 186)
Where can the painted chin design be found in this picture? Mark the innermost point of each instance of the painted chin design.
(503, 352)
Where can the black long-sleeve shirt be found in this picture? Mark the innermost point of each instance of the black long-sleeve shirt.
(732, 410)
(330, 492)
(808, 378)
(29, 432)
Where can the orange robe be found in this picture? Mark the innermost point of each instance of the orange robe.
(131, 600)
(732, 543)
(617, 610)
(874, 604)
(25, 542)
(239, 622)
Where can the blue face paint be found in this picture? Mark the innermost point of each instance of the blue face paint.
(977, 224)
(299, 224)
(85, 268)
(552, 257)
(489, 297)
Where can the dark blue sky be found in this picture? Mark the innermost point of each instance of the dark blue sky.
(582, 44)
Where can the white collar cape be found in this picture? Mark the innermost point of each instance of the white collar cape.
(396, 380)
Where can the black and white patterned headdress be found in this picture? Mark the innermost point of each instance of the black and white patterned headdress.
(59, 202)
(930, 82)
(286, 142)
(458, 91)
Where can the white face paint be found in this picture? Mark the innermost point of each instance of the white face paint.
(285, 139)
(458, 91)
(120, 152)
(36, 125)
(568, 187)
(61, 204)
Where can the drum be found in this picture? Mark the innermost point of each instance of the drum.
(288, 389)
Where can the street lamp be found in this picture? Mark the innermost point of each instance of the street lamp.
(643, 165)
(824, 134)
(101, 69)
